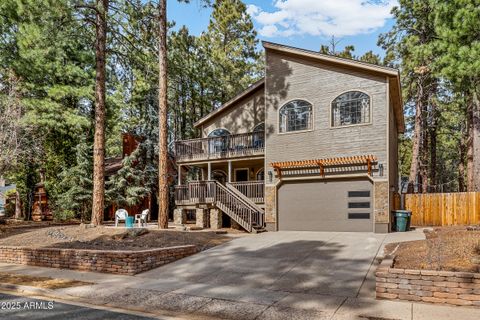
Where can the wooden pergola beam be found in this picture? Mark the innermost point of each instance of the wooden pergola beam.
(322, 163)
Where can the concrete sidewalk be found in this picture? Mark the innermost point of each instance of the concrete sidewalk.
(224, 282)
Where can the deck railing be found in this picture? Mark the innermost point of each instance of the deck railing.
(254, 190)
(231, 202)
(234, 145)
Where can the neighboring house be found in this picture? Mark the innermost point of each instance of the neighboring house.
(130, 143)
(312, 146)
(3, 191)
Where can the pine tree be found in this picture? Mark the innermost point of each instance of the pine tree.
(135, 180)
(458, 25)
(411, 40)
(77, 184)
(231, 39)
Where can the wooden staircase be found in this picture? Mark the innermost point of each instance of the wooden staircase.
(227, 198)
(239, 207)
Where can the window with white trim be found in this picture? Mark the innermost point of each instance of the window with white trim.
(295, 116)
(349, 108)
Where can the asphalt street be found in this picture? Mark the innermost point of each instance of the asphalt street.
(18, 307)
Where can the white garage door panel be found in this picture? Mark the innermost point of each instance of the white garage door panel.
(324, 206)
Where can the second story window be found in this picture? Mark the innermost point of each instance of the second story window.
(219, 141)
(349, 108)
(295, 116)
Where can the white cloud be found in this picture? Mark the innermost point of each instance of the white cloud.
(322, 17)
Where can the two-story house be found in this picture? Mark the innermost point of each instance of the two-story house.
(312, 146)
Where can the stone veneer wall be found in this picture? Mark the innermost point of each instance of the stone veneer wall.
(440, 287)
(381, 207)
(270, 207)
(120, 262)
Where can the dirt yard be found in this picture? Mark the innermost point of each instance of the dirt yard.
(107, 238)
(40, 282)
(446, 249)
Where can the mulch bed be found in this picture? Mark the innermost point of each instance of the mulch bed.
(445, 249)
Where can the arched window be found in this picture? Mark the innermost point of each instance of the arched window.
(219, 141)
(259, 135)
(219, 133)
(260, 175)
(349, 108)
(295, 116)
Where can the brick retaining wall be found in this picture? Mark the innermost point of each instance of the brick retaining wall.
(441, 287)
(110, 261)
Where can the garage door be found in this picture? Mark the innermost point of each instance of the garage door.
(336, 205)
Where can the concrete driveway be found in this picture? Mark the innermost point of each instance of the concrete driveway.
(329, 263)
(271, 276)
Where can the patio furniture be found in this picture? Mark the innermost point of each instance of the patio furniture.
(120, 215)
(142, 218)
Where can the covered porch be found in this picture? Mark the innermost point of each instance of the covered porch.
(245, 175)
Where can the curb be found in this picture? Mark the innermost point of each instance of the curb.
(68, 299)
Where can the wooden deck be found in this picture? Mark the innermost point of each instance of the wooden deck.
(225, 147)
(202, 192)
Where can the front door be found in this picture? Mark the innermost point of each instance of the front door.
(241, 175)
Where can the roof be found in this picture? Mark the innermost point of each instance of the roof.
(392, 73)
(257, 85)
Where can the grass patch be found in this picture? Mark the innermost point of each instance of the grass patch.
(39, 282)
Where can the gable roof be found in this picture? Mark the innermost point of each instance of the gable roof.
(257, 85)
(392, 73)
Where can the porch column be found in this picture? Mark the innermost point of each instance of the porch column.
(209, 174)
(229, 171)
(179, 175)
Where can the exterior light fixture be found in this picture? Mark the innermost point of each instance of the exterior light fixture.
(270, 176)
(380, 169)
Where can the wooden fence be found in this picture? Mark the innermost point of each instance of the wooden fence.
(444, 209)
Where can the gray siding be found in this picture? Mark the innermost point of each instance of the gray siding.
(290, 78)
(241, 117)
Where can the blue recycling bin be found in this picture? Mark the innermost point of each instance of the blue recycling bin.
(129, 222)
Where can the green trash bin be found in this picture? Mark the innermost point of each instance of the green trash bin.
(129, 222)
(402, 220)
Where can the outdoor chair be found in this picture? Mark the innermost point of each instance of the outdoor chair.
(120, 214)
(142, 218)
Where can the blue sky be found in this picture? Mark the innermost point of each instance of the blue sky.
(303, 23)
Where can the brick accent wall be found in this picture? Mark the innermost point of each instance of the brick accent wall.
(440, 287)
(120, 262)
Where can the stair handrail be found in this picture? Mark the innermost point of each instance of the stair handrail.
(241, 198)
(252, 204)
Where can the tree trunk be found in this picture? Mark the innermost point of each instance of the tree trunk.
(461, 165)
(433, 146)
(470, 147)
(163, 193)
(476, 142)
(99, 138)
(417, 140)
(18, 206)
